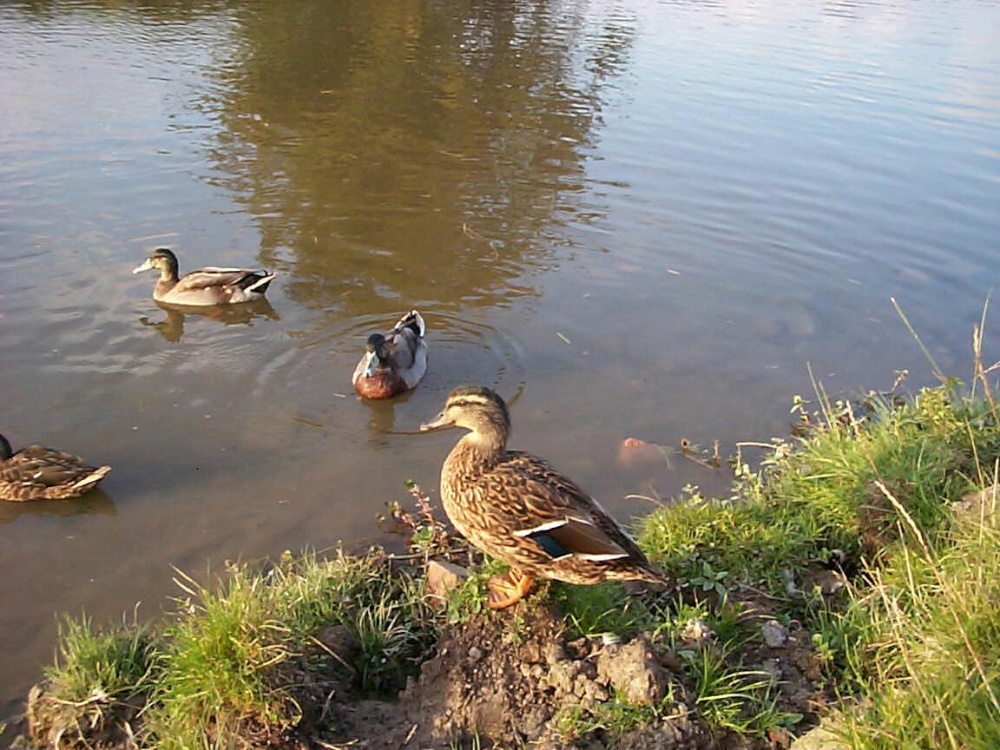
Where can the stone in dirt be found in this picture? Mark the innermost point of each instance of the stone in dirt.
(444, 577)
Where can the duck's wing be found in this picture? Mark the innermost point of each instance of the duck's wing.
(543, 505)
(408, 355)
(206, 278)
(403, 345)
(45, 467)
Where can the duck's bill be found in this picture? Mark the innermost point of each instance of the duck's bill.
(146, 265)
(441, 420)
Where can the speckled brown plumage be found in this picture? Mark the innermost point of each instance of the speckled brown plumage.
(39, 473)
(517, 508)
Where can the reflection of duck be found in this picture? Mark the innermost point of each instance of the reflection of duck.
(96, 502)
(394, 362)
(172, 326)
(39, 473)
(515, 507)
(206, 286)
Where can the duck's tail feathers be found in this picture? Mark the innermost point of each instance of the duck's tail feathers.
(92, 478)
(262, 279)
(414, 321)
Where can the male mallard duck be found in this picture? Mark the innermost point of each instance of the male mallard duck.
(515, 507)
(394, 362)
(206, 286)
(38, 473)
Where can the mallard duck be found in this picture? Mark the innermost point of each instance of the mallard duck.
(393, 362)
(39, 473)
(516, 508)
(206, 286)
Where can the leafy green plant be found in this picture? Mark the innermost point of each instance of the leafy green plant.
(709, 579)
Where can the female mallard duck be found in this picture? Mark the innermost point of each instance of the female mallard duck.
(394, 362)
(38, 473)
(206, 286)
(515, 507)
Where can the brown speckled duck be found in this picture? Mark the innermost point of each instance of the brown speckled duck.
(393, 362)
(206, 286)
(39, 473)
(516, 508)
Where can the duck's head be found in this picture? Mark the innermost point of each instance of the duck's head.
(161, 259)
(475, 408)
(376, 354)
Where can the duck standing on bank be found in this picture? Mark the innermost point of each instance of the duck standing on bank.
(39, 473)
(516, 508)
(206, 286)
(393, 362)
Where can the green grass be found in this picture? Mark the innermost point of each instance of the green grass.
(100, 664)
(733, 699)
(233, 657)
(917, 634)
(604, 608)
(814, 497)
(214, 668)
(220, 668)
(932, 662)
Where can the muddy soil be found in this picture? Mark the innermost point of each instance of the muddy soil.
(518, 680)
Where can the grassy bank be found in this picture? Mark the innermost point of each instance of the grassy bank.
(868, 540)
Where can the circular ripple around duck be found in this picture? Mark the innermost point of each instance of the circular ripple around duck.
(315, 371)
(471, 352)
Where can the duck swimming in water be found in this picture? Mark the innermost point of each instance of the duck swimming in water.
(39, 473)
(393, 362)
(206, 286)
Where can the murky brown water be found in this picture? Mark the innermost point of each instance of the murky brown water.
(630, 218)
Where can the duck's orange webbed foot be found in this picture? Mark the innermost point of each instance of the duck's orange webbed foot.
(508, 589)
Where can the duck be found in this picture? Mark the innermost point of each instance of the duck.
(206, 286)
(515, 507)
(40, 473)
(393, 362)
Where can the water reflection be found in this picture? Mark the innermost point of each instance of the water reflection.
(382, 419)
(402, 152)
(160, 11)
(171, 327)
(95, 502)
